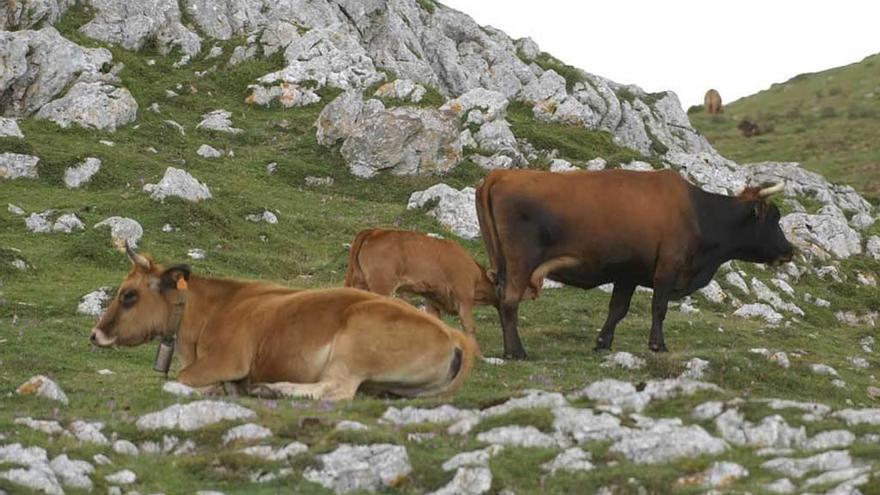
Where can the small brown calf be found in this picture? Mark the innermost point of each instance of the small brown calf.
(441, 271)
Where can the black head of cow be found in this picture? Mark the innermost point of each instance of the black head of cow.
(759, 236)
(142, 308)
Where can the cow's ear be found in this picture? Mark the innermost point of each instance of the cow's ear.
(171, 277)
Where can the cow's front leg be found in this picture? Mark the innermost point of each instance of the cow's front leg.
(205, 373)
(659, 304)
(618, 307)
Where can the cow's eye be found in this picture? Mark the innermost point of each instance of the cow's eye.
(128, 298)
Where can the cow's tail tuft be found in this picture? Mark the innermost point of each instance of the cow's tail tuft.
(354, 275)
(462, 360)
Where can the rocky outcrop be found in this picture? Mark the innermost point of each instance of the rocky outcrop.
(9, 128)
(38, 65)
(403, 140)
(132, 24)
(26, 14)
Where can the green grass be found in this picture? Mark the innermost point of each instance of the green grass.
(40, 332)
(828, 121)
(572, 75)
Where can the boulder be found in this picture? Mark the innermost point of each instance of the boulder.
(40, 65)
(17, 166)
(93, 105)
(82, 173)
(797, 467)
(624, 360)
(573, 459)
(122, 230)
(454, 209)
(225, 19)
(822, 235)
(89, 432)
(133, 24)
(772, 431)
(67, 223)
(179, 183)
(360, 468)
(402, 140)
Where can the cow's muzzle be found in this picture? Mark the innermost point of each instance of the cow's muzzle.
(100, 339)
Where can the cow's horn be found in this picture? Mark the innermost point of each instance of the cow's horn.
(135, 258)
(770, 191)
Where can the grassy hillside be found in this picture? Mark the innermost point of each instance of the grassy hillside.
(829, 121)
(40, 332)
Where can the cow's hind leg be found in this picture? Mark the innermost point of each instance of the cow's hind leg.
(617, 309)
(466, 315)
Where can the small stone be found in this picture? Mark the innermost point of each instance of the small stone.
(468, 481)
(759, 310)
(560, 165)
(206, 151)
(695, 369)
(67, 223)
(105, 371)
(346, 425)
(101, 459)
(858, 362)
(266, 216)
(597, 164)
(719, 475)
(47, 427)
(75, 177)
(124, 477)
(319, 181)
(517, 436)
(782, 486)
(179, 183)
(219, 121)
(15, 210)
(823, 369)
(272, 168)
(176, 126)
(178, 389)
(780, 358)
(125, 447)
(797, 467)
(707, 410)
(573, 459)
(624, 360)
(42, 386)
(246, 432)
(107, 143)
(87, 432)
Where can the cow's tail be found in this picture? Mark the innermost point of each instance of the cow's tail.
(489, 230)
(462, 360)
(354, 275)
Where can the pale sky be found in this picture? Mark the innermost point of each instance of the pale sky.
(738, 47)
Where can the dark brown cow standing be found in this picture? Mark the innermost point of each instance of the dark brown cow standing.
(585, 229)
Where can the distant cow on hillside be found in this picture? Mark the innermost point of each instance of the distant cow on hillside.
(712, 102)
(441, 271)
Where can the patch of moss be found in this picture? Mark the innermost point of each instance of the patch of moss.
(571, 74)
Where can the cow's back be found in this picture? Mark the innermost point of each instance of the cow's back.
(601, 218)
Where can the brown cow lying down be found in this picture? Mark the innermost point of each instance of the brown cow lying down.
(269, 339)
(441, 271)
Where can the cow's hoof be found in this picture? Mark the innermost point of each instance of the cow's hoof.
(516, 355)
(601, 349)
(658, 348)
(263, 392)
